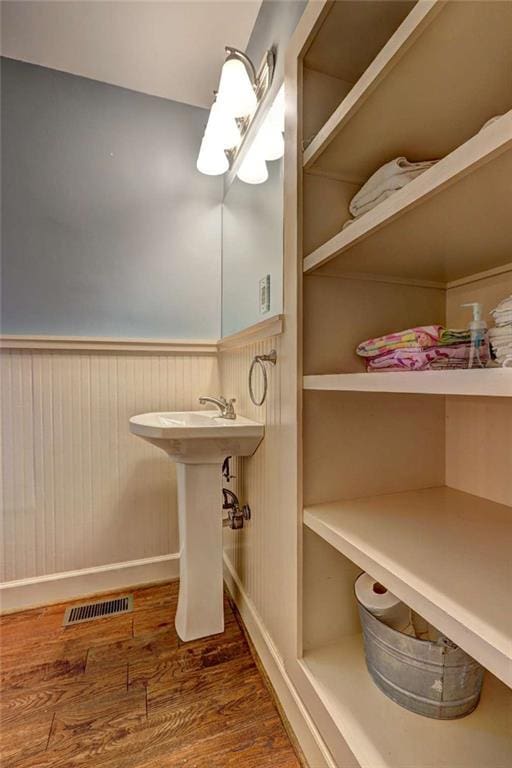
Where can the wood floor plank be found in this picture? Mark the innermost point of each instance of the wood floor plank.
(165, 733)
(263, 744)
(159, 596)
(98, 667)
(184, 661)
(154, 620)
(37, 624)
(53, 695)
(97, 696)
(162, 645)
(71, 641)
(99, 632)
(32, 673)
(208, 684)
(86, 726)
(26, 736)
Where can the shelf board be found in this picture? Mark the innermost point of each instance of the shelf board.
(381, 734)
(446, 553)
(450, 222)
(491, 382)
(416, 98)
(419, 17)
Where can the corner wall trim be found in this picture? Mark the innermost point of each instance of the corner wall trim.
(272, 326)
(70, 585)
(310, 741)
(108, 344)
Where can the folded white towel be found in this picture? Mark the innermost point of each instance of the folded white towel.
(501, 333)
(503, 319)
(503, 351)
(383, 195)
(499, 349)
(504, 306)
(388, 179)
(502, 345)
(502, 311)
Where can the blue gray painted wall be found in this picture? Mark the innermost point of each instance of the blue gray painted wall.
(107, 227)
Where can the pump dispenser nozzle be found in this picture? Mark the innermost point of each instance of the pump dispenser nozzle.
(477, 315)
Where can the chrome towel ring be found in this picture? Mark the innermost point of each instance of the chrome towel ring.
(260, 360)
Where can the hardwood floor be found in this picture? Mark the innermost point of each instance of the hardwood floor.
(125, 692)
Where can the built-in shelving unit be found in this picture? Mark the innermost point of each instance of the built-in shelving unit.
(390, 54)
(492, 382)
(417, 96)
(445, 217)
(407, 475)
(458, 579)
(383, 735)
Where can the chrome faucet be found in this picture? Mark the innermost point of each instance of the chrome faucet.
(225, 406)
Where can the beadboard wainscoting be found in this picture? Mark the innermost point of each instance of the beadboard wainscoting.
(79, 490)
(257, 553)
(260, 559)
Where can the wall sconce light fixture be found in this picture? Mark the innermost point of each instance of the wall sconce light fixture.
(237, 94)
(241, 91)
(253, 169)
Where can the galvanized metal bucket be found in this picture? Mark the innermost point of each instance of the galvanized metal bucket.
(435, 679)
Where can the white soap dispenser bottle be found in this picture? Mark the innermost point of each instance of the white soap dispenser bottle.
(479, 352)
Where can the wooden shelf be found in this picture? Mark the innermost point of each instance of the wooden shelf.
(381, 734)
(443, 226)
(409, 29)
(492, 382)
(445, 553)
(417, 97)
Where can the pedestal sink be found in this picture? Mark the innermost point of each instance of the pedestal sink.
(199, 441)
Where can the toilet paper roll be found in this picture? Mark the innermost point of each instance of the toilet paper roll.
(382, 603)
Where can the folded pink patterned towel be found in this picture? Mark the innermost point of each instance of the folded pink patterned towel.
(456, 356)
(413, 340)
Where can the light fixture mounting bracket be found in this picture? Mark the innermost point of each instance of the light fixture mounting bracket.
(262, 80)
(235, 53)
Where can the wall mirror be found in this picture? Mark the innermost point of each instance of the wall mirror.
(252, 232)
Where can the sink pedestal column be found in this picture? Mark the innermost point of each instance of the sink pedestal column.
(201, 601)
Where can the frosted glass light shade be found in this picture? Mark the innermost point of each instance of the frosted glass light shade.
(270, 140)
(212, 159)
(254, 168)
(276, 113)
(222, 129)
(270, 136)
(236, 93)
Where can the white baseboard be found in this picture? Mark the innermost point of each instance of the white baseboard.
(70, 585)
(307, 735)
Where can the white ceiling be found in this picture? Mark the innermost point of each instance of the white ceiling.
(169, 49)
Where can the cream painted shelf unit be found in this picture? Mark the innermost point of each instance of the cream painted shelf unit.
(406, 475)
(417, 96)
(492, 382)
(383, 735)
(458, 579)
(445, 217)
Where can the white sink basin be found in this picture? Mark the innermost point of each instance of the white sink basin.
(198, 437)
(199, 441)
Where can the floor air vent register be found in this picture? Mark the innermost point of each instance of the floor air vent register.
(98, 609)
